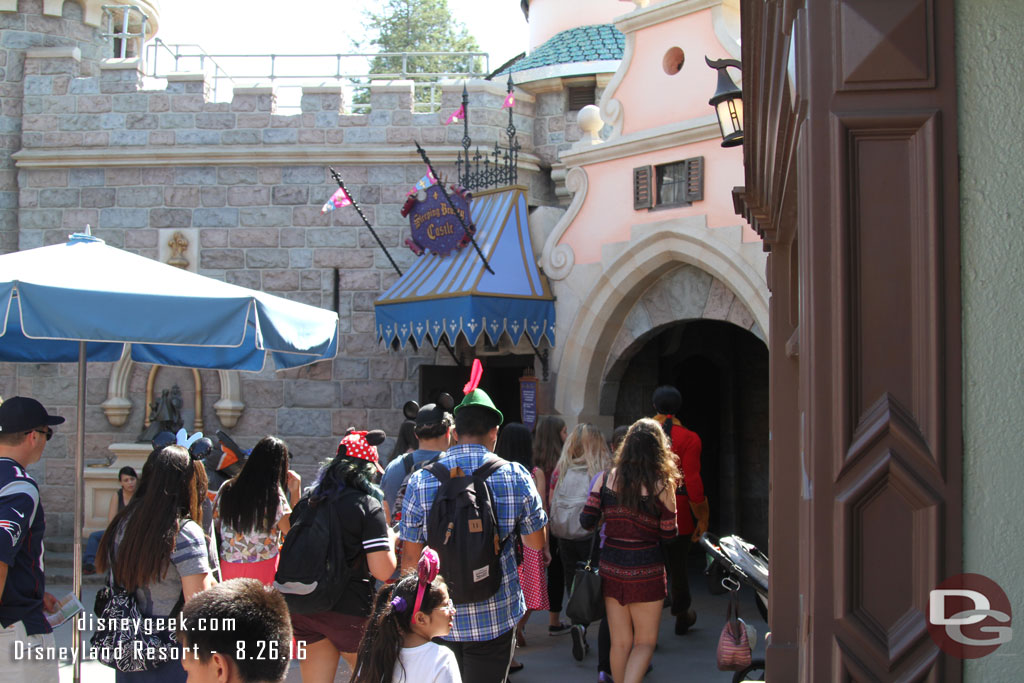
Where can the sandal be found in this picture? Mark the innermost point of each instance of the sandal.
(559, 630)
(515, 666)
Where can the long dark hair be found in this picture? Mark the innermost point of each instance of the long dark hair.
(343, 471)
(172, 488)
(385, 633)
(644, 461)
(249, 501)
(547, 443)
(515, 444)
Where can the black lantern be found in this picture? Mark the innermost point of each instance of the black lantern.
(728, 103)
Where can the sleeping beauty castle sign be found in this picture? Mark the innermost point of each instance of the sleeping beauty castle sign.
(434, 224)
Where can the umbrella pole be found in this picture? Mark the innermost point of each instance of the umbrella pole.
(76, 570)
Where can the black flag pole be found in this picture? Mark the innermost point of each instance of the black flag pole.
(341, 184)
(471, 228)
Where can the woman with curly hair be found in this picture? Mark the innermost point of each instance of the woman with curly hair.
(156, 547)
(637, 501)
(252, 510)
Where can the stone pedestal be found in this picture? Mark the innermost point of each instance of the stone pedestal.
(101, 483)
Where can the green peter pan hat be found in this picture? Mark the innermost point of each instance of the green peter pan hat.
(480, 399)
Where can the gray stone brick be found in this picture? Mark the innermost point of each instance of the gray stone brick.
(311, 137)
(197, 137)
(240, 137)
(253, 237)
(222, 258)
(212, 237)
(161, 137)
(215, 218)
(237, 175)
(293, 237)
(189, 103)
(290, 195)
(280, 280)
(311, 280)
(248, 196)
(387, 175)
(365, 135)
(359, 280)
(195, 176)
(40, 218)
(45, 178)
(280, 136)
(112, 121)
(38, 85)
(8, 200)
(214, 196)
(133, 101)
(177, 121)
(159, 102)
(96, 138)
(330, 237)
(326, 119)
(265, 216)
(266, 258)
(77, 219)
(157, 176)
(285, 121)
(303, 175)
(128, 137)
(142, 121)
(141, 238)
(94, 104)
(357, 394)
(215, 121)
(253, 121)
(299, 258)
(335, 257)
(252, 280)
(181, 196)
(123, 176)
(98, 197)
(58, 198)
(170, 218)
(140, 196)
(303, 422)
(84, 86)
(310, 394)
(311, 215)
(124, 218)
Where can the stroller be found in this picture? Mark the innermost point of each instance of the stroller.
(733, 562)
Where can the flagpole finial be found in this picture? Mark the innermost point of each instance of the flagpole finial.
(88, 229)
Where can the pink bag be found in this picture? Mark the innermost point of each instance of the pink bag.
(733, 651)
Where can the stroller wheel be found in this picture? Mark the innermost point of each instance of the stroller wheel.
(754, 672)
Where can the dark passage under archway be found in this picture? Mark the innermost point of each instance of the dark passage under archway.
(721, 370)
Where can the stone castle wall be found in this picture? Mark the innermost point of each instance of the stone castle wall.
(85, 142)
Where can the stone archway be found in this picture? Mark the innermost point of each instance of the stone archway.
(667, 273)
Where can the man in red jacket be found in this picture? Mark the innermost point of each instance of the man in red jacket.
(690, 498)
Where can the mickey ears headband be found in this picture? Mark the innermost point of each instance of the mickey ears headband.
(411, 409)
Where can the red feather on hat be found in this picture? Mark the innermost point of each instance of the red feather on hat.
(475, 374)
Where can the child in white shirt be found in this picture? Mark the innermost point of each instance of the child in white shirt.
(407, 615)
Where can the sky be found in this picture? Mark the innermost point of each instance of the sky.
(322, 26)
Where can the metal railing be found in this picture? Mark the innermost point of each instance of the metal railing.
(289, 73)
(118, 21)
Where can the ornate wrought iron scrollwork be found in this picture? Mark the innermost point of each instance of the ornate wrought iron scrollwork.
(490, 168)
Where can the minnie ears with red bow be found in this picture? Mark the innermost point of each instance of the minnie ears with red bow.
(362, 445)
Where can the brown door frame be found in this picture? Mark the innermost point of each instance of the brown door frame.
(852, 181)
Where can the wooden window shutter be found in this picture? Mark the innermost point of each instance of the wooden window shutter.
(581, 96)
(643, 192)
(695, 179)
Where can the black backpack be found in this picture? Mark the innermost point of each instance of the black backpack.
(407, 464)
(312, 573)
(463, 528)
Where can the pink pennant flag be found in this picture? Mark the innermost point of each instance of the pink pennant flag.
(510, 101)
(423, 183)
(456, 115)
(337, 200)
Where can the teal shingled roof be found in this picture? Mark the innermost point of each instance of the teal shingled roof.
(583, 44)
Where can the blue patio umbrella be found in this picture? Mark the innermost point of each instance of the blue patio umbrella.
(84, 300)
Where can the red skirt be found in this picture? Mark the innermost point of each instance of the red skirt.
(533, 579)
(263, 571)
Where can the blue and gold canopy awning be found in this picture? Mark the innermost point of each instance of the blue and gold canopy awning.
(454, 294)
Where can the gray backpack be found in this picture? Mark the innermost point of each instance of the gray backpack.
(567, 502)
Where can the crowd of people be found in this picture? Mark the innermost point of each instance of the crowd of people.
(427, 570)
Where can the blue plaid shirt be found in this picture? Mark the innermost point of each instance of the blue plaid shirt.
(517, 500)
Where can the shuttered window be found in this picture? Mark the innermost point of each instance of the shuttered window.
(643, 192)
(581, 96)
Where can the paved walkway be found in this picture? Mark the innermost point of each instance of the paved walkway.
(685, 659)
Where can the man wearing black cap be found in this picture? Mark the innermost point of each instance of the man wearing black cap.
(434, 430)
(25, 427)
